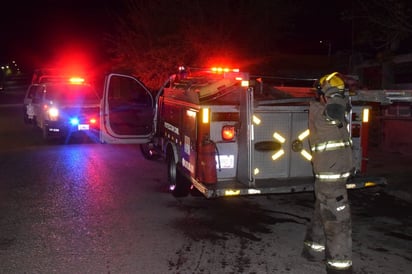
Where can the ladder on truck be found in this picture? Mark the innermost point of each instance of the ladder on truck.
(383, 96)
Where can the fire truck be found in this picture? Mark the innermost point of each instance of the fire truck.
(223, 132)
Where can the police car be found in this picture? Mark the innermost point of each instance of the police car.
(62, 106)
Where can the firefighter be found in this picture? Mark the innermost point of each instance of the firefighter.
(329, 234)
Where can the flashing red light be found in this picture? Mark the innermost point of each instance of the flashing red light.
(228, 133)
(222, 70)
(76, 80)
(93, 121)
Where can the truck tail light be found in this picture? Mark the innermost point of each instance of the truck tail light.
(228, 133)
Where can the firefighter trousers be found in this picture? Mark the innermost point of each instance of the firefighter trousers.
(329, 234)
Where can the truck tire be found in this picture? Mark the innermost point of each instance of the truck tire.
(178, 184)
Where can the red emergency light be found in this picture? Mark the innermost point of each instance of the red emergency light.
(222, 70)
(228, 133)
(76, 80)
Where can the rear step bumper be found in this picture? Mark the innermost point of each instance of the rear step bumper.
(277, 186)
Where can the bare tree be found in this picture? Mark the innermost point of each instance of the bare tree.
(381, 28)
(154, 37)
(383, 24)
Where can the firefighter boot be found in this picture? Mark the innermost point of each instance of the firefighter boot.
(339, 271)
(311, 255)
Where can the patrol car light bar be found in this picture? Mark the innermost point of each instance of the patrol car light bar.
(76, 80)
(75, 121)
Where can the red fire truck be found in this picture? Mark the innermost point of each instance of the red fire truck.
(223, 132)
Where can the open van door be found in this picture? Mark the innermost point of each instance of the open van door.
(126, 111)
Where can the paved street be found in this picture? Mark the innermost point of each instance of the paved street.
(92, 208)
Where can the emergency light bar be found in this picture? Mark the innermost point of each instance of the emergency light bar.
(76, 80)
(243, 78)
(76, 121)
(221, 70)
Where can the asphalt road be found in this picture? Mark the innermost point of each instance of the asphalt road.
(84, 207)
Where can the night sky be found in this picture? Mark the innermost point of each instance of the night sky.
(34, 31)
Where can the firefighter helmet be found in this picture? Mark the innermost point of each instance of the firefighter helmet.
(332, 84)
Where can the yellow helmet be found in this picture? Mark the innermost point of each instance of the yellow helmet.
(331, 85)
(332, 80)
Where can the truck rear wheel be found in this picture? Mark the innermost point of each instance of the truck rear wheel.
(178, 184)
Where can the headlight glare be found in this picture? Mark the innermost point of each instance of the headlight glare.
(53, 113)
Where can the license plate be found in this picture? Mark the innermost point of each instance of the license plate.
(226, 161)
(83, 127)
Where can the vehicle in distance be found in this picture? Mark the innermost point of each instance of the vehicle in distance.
(62, 106)
(2, 80)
